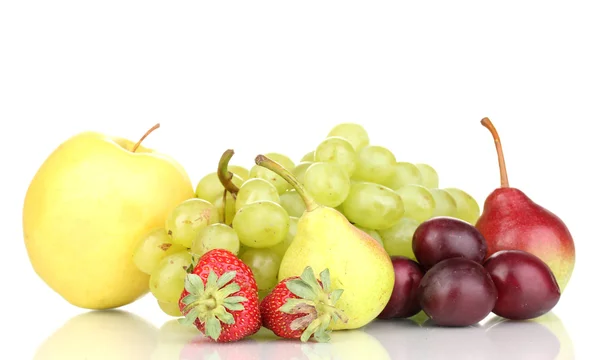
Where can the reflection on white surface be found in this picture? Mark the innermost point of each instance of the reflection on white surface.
(496, 338)
(122, 335)
(102, 335)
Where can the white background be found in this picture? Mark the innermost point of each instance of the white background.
(261, 76)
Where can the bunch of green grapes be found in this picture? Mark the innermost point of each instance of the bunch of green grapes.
(249, 219)
(387, 198)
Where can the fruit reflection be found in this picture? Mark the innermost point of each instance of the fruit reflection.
(172, 339)
(495, 337)
(542, 338)
(113, 335)
(345, 344)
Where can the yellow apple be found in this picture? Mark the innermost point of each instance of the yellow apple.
(87, 207)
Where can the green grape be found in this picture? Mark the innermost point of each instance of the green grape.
(300, 170)
(240, 171)
(292, 202)
(166, 281)
(226, 213)
(429, 177)
(372, 206)
(255, 190)
(354, 133)
(445, 205)
(153, 247)
(282, 247)
(397, 240)
(372, 233)
(261, 224)
(283, 160)
(263, 293)
(308, 157)
(243, 249)
(264, 264)
(418, 202)
(374, 164)
(187, 219)
(210, 187)
(337, 150)
(404, 174)
(260, 172)
(467, 207)
(170, 308)
(216, 236)
(328, 183)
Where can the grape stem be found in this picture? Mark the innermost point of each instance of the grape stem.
(137, 145)
(487, 123)
(272, 165)
(224, 221)
(225, 175)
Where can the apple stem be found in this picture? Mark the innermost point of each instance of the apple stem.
(135, 147)
(272, 165)
(225, 175)
(487, 123)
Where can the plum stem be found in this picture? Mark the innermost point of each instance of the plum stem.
(225, 175)
(135, 147)
(487, 123)
(272, 165)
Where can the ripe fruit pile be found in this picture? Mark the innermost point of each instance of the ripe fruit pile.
(254, 213)
(455, 285)
(394, 240)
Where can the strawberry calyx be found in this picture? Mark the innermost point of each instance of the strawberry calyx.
(316, 301)
(211, 304)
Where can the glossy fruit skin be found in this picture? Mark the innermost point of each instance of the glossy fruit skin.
(443, 238)
(512, 221)
(457, 292)
(526, 286)
(404, 302)
(275, 320)
(246, 322)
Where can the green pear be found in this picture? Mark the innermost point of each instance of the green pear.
(357, 263)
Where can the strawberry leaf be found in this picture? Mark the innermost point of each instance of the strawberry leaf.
(190, 298)
(193, 284)
(302, 322)
(190, 317)
(301, 289)
(310, 330)
(225, 278)
(213, 327)
(234, 300)
(211, 281)
(325, 280)
(233, 307)
(335, 296)
(223, 315)
(231, 288)
(309, 278)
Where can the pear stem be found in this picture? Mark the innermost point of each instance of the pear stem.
(272, 165)
(487, 123)
(135, 147)
(225, 175)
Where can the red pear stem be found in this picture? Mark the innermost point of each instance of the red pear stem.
(487, 123)
(275, 167)
(137, 145)
(225, 175)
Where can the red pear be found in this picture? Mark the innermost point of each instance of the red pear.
(512, 221)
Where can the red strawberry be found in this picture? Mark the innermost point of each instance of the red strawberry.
(302, 306)
(221, 297)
